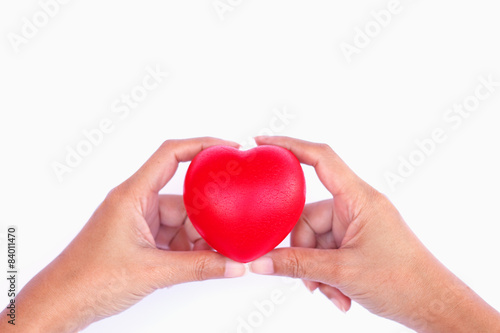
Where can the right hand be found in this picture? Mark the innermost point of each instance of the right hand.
(357, 246)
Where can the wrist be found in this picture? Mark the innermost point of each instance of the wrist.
(443, 303)
(54, 301)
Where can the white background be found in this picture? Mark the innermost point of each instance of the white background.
(225, 79)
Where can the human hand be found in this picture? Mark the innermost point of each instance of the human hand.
(357, 246)
(137, 241)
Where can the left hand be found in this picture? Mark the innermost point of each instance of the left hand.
(137, 241)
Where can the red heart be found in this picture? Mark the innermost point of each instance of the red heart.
(244, 203)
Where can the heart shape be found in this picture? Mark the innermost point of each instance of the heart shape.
(244, 203)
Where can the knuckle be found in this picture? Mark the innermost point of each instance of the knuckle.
(167, 144)
(379, 199)
(324, 148)
(200, 270)
(336, 272)
(158, 276)
(115, 194)
(118, 193)
(169, 276)
(372, 196)
(294, 266)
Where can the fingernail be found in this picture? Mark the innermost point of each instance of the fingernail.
(338, 304)
(310, 286)
(263, 266)
(234, 269)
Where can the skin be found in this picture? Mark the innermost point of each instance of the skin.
(137, 241)
(353, 246)
(357, 246)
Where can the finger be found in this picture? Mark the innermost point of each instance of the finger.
(329, 229)
(161, 166)
(311, 285)
(164, 237)
(303, 235)
(172, 211)
(319, 216)
(180, 242)
(201, 245)
(173, 216)
(331, 170)
(172, 238)
(340, 300)
(326, 241)
(172, 268)
(325, 266)
(191, 231)
(316, 220)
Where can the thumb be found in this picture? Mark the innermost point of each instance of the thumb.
(325, 266)
(174, 267)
